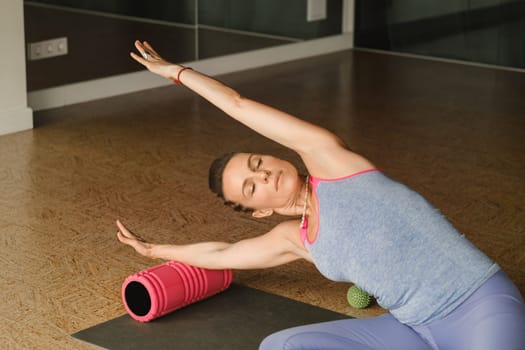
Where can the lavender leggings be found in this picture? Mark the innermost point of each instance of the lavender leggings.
(491, 318)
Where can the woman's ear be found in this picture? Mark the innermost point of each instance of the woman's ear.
(262, 213)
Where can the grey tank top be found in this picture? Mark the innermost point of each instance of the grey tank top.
(392, 243)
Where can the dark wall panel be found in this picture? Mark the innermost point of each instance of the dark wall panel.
(491, 31)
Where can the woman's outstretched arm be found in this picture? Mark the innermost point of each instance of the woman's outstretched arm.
(268, 250)
(278, 126)
(323, 153)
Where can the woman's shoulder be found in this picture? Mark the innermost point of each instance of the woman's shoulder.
(287, 227)
(290, 231)
(336, 163)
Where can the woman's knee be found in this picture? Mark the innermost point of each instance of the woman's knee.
(301, 338)
(279, 340)
(309, 341)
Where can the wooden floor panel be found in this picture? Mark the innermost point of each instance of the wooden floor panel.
(452, 132)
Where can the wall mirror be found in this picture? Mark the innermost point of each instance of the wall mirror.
(100, 33)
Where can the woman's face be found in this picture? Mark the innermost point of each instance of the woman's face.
(260, 181)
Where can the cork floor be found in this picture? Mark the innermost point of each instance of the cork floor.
(452, 132)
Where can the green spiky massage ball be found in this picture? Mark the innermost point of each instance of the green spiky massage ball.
(357, 297)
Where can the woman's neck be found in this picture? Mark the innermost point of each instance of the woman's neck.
(297, 207)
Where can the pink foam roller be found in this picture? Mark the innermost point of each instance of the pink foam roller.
(189, 284)
(164, 288)
(188, 290)
(217, 279)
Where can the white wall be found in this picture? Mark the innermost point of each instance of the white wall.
(14, 112)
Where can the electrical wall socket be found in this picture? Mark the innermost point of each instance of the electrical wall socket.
(315, 10)
(47, 48)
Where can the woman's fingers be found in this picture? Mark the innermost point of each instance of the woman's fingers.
(123, 239)
(146, 51)
(127, 234)
(123, 229)
(150, 48)
(144, 54)
(139, 59)
(150, 59)
(140, 47)
(137, 243)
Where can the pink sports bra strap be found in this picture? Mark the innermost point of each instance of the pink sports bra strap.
(304, 233)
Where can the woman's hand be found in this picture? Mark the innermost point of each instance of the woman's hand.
(150, 59)
(134, 241)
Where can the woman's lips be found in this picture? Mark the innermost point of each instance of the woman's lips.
(277, 178)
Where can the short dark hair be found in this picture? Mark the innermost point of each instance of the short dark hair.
(215, 180)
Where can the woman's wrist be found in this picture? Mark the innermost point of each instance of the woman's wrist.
(177, 78)
(174, 71)
(153, 251)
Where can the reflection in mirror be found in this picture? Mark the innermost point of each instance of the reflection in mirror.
(100, 33)
(488, 31)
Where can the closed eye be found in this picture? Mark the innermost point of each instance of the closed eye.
(254, 162)
(248, 189)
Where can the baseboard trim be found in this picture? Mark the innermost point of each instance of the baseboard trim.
(440, 59)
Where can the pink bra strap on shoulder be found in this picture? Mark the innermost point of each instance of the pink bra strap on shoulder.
(314, 181)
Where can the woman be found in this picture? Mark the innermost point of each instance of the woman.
(356, 225)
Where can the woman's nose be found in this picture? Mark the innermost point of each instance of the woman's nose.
(263, 175)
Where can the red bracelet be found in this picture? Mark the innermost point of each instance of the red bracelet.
(177, 80)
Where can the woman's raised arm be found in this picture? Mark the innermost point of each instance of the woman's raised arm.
(274, 124)
(323, 153)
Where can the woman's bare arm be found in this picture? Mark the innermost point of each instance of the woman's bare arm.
(324, 153)
(271, 249)
(277, 125)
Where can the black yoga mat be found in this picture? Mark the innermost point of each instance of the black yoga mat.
(238, 318)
